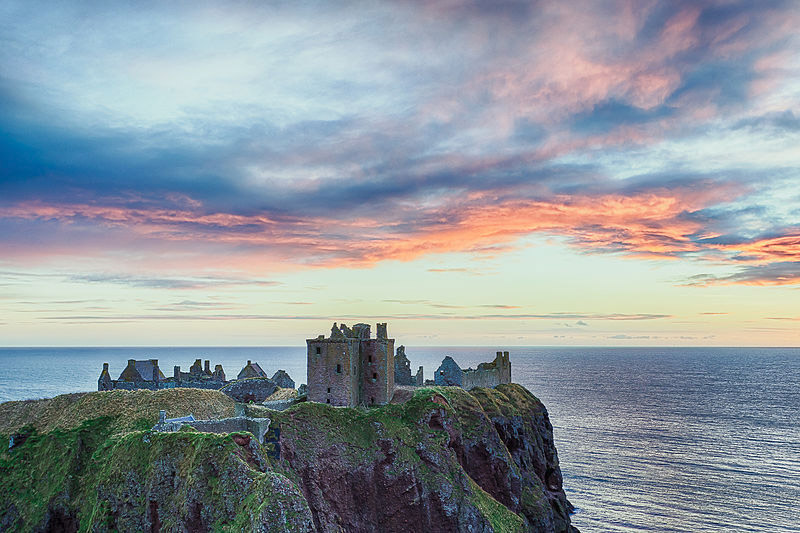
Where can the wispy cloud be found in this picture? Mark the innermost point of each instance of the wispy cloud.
(396, 132)
(170, 283)
(339, 318)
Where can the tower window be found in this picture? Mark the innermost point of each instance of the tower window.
(319, 350)
(328, 400)
(338, 369)
(372, 400)
(370, 358)
(329, 390)
(374, 375)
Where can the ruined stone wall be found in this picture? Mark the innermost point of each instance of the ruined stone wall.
(488, 374)
(419, 379)
(480, 378)
(167, 384)
(377, 383)
(449, 374)
(256, 426)
(279, 405)
(196, 384)
(402, 368)
(250, 389)
(133, 385)
(333, 371)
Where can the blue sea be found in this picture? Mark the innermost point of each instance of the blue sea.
(650, 439)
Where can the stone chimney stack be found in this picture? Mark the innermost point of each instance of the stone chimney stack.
(207, 367)
(155, 370)
(176, 373)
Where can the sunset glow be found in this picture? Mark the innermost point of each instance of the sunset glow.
(583, 173)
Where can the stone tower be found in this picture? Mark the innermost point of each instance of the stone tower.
(350, 368)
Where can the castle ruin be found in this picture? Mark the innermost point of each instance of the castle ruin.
(487, 375)
(146, 374)
(402, 370)
(350, 368)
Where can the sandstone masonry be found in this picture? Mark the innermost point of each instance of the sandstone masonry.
(486, 375)
(350, 368)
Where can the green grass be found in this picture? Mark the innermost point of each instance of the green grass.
(85, 452)
(501, 518)
(131, 410)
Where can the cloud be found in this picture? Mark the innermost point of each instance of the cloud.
(170, 283)
(777, 120)
(779, 273)
(395, 132)
(339, 318)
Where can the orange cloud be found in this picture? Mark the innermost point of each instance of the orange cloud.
(650, 224)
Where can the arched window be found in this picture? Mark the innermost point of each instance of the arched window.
(338, 369)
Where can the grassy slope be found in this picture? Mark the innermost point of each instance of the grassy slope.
(82, 446)
(129, 409)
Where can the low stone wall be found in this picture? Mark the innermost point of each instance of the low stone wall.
(256, 426)
(279, 405)
(151, 385)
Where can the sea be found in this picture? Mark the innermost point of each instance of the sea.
(649, 439)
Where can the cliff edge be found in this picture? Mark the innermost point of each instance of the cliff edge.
(444, 460)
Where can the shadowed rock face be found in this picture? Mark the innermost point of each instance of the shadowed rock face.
(445, 460)
(432, 470)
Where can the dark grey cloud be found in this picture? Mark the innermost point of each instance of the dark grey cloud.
(778, 273)
(406, 160)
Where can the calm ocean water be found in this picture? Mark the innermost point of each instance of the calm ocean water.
(650, 439)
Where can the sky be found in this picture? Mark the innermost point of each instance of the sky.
(474, 173)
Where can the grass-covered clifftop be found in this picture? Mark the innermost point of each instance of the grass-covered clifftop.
(445, 460)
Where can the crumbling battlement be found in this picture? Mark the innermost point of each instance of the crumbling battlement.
(402, 368)
(350, 368)
(487, 375)
(146, 374)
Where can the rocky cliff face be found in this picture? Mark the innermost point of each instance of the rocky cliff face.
(444, 460)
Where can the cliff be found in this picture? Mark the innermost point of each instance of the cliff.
(444, 460)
